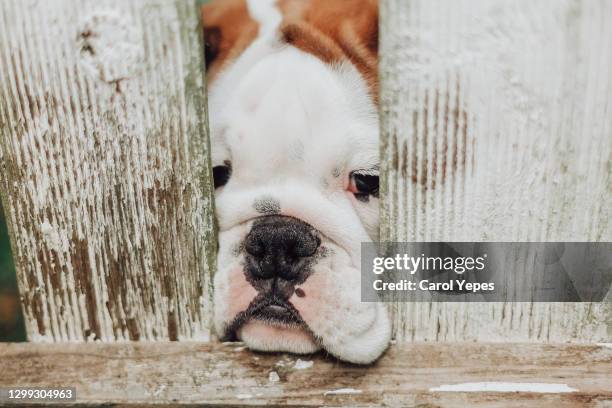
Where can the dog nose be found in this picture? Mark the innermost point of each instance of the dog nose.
(279, 247)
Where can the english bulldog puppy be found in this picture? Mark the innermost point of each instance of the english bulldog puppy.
(294, 124)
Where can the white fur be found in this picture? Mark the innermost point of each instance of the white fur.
(287, 121)
(267, 16)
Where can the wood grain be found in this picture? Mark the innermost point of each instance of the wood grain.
(105, 168)
(497, 126)
(228, 374)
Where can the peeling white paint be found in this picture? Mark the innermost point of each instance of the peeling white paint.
(273, 377)
(302, 364)
(285, 361)
(110, 44)
(343, 391)
(504, 387)
(159, 390)
(52, 237)
(607, 345)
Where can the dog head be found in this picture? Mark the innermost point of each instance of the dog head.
(294, 124)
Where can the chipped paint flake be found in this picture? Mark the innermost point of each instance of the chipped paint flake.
(273, 377)
(342, 391)
(303, 364)
(607, 345)
(111, 46)
(53, 238)
(504, 387)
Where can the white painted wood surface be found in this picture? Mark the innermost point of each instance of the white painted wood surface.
(106, 167)
(497, 126)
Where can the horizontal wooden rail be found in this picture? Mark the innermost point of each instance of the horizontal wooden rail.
(228, 374)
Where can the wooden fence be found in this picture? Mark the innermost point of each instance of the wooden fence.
(496, 121)
(497, 126)
(106, 172)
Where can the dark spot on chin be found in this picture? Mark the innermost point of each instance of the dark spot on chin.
(336, 172)
(324, 252)
(267, 205)
(364, 198)
(299, 292)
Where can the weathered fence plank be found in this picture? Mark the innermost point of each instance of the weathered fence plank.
(229, 375)
(105, 167)
(497, 126)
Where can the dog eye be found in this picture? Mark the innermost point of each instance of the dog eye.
(221, 174)
(363, 185)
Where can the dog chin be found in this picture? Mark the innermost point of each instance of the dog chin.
(265, 336)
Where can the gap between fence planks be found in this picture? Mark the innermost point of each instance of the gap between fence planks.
(229, 374)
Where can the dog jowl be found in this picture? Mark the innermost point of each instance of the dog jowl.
(294, 124)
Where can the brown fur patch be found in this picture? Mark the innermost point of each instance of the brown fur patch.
(332, 30)
(228, 31)
(335, 30)
(309, 39)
